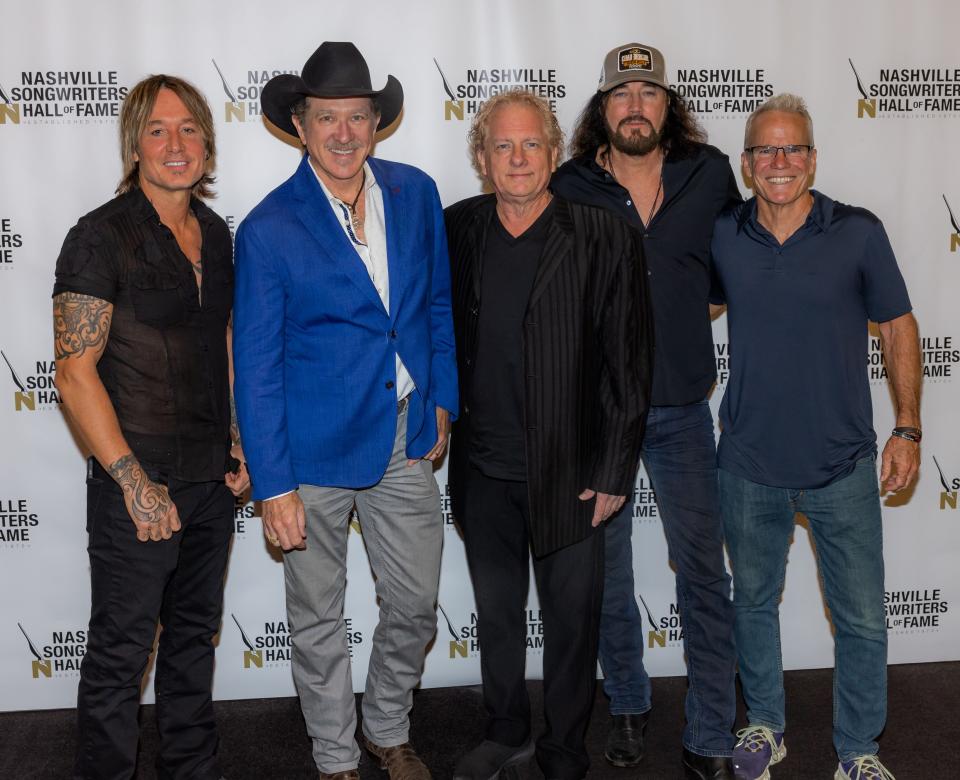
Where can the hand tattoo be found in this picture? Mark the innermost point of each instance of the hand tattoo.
(148, 502)
(80, 322)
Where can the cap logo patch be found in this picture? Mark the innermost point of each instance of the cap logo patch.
(634, 58)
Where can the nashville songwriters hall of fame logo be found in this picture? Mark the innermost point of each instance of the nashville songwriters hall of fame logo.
(951, 486)
(243, 101)
(61, 657)
(665, 631)
(36, 392)
(909, 92)
(955, 235)
(464, 100)
(465, 643)
(62, 97)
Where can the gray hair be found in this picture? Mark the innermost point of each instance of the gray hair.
(479, 129)
(788, 104)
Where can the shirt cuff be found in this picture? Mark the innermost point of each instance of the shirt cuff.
(279, 495)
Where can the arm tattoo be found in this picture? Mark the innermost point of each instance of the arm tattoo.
(234, 425)
(148, 503)
(80, 322)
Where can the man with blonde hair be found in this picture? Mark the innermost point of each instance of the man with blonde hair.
(553, 352)
(141, 309)
(802, 275)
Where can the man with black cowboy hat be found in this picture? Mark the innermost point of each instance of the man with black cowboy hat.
(346, 387)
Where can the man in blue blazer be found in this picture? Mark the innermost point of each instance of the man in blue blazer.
(346, 386)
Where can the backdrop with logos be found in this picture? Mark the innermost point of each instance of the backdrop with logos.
(883, 84)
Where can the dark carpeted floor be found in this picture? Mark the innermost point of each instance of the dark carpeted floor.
(265, 738)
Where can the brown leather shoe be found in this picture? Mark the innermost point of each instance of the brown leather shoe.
(346, 774)
(400, 761)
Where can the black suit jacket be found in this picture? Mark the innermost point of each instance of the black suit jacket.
(587, 351)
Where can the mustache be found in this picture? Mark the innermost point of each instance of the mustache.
(634, 118)
(347, 147)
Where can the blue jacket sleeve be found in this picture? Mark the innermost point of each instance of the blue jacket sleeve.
(443, 365)
(258, 348)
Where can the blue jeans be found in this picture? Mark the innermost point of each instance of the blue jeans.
(846, 524)
(680, 458)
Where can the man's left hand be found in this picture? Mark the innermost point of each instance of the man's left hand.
(443, 433)
(238, 481)
(605, 507)
(899, 464)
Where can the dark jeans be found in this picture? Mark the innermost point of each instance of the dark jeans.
(569, 581)
(679, 454)
(133, 584)
(847, 527)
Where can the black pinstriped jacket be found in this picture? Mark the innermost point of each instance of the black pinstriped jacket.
(587, 352)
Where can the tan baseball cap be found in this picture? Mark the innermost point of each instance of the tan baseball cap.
(633, 62)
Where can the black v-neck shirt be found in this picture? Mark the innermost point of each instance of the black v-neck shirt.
(509, 271)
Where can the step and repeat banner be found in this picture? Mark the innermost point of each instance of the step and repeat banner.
(882, 81)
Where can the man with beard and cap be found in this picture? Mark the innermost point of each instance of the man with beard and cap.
(639, 153)
(346, 388)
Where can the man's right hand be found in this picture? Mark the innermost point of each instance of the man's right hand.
(149, 504)
(153, 512)
(285, 522)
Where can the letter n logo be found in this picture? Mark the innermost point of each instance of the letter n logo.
(452, 109)
(10, 111)
(954, 241)
(24, 400)
(868, 107)
(42, 667)
(948, 499)
(458, 648)
(253, 658)
(236, 111)
(657, 637)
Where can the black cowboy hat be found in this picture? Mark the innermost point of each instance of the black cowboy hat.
(334, 70)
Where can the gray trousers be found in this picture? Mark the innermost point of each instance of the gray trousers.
(403, 534)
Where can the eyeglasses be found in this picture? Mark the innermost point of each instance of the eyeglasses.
(790, 151)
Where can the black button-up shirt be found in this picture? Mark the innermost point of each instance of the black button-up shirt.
(165, 362)
(676, 246)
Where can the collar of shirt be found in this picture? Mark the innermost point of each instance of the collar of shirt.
(143, 209)
(819, 218)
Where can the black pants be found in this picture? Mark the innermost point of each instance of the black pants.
(569, 585)
(133, 584)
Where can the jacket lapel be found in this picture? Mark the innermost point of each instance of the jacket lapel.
(314, 211)
(398, 265)
(556, 249)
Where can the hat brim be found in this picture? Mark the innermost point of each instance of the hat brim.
(627, 77)
(282, 91)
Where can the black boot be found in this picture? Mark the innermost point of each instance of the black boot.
(625, 740)
(699, 767)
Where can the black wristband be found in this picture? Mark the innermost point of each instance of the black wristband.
(908, 433)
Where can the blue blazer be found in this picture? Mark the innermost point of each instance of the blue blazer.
(314, 348)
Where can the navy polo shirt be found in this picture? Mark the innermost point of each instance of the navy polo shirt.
(797, 410)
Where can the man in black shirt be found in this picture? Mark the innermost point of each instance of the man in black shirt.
(639, 154)
(141, 307)
(553, 355)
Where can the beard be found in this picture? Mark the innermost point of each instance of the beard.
(632, 141)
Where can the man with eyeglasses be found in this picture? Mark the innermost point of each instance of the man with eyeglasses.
(801, 275)
(639, 153)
